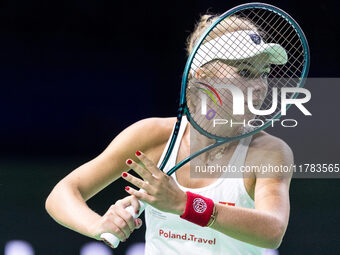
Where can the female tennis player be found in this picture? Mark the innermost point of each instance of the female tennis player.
(228, 216)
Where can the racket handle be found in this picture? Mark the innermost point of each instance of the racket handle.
(110, 239)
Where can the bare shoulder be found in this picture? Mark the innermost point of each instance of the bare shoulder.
(148, 135)
(266, 151)
(149, 132)
(269, 147)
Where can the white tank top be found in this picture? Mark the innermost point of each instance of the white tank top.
(168, 234)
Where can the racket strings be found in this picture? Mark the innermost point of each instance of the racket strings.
(281, 35)
(224, 67)
(218, 71)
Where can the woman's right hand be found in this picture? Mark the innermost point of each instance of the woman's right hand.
(117, 220)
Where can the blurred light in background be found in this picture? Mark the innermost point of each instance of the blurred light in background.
(271, 252)
(96, 248)
(18, 247)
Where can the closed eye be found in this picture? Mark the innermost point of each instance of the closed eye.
(245, 73)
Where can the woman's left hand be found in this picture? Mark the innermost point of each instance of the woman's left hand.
(159, 189)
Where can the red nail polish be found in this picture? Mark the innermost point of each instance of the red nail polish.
(127, 188)
(124, 174)
(138, 153)
(129, 161)
(137, 211)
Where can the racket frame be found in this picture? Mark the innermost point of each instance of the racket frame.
(183, 109)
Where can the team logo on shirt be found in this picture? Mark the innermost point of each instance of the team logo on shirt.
(199, 205)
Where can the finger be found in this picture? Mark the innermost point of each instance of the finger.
(129, 200)
(141, 171)
(135, 204)
(122, 225)
(114, 229)
(138, 223)
(137, 182)
(149, 164)
(118, 233)
(127, 217)
(125, 202)
(140, 195)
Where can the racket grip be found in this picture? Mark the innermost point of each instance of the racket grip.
(110, 239)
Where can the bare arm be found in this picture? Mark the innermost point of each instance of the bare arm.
(67, 201)
(266, 224)
(263, 226)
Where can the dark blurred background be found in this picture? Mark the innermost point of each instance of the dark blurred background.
(73, 74)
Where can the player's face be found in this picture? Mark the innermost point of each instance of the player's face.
(226, 77)
(245, 75)
(251, 74)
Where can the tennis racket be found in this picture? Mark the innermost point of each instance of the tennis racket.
(235, 74)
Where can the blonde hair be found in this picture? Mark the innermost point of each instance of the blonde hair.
(228, 25)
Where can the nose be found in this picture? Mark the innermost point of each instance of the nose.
(258, 88)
